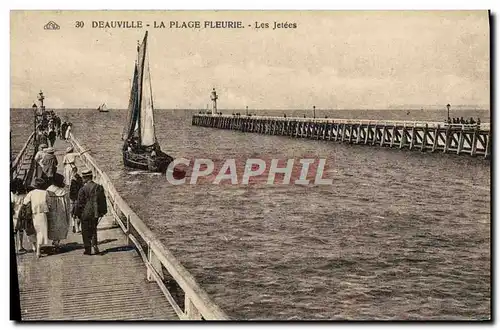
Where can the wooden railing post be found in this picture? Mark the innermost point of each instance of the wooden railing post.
(155, 263)
(190, 310)
(128, 229)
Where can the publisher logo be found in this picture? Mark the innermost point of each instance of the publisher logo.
(51, 26)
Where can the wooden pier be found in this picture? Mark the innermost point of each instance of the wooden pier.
(134, 278)
(473, 140)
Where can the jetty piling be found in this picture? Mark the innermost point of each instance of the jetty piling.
(473, 140)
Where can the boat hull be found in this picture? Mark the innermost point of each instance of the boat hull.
(144, 161)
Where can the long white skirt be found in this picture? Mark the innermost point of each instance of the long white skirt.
(67, 174)
(41, 227)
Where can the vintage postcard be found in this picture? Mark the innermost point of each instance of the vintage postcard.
(250, 165)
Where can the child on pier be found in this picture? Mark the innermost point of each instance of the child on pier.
(75, 186)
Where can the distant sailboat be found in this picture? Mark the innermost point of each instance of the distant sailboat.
(103, 108)
(141, 149)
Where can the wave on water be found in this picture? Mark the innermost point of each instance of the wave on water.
(405, 236)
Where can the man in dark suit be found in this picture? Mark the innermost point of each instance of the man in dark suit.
(90, 206)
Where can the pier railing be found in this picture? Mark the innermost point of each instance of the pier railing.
(472, 139)
(402, 123)
(23, 160)
(20, 154)
(188, 299)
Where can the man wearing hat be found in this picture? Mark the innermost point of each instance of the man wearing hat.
(90, 206)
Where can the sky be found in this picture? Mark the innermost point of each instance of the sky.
(332, 59)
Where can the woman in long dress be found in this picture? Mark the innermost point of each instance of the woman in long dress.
(68, 132)
(59, 214)
(38, 160)
(39, 208)
(69, 164)
(49, 164)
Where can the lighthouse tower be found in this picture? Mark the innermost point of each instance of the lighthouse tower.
(41, 98)
(214, 98)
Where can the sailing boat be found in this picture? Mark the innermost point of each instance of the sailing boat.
(141, 149)
(103, 108)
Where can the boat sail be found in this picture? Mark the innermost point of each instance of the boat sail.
(141, 149)
(103, 108)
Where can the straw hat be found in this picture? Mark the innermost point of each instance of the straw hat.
(50, 150)
(69, 149)
(86, 173)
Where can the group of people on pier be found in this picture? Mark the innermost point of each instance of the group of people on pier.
(463, 121)
(50, 127)
(47, 208)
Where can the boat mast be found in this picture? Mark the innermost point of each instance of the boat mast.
(139, 91)
(151, 94)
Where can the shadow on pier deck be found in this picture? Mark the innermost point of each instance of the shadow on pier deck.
(73, 286)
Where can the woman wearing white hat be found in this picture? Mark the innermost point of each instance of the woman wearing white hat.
(69, 163)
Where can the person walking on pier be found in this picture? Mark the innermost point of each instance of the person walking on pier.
(64, 125)
(38, 198)
(74, 187)
(68, 132)
(49, 164)
(43, 137)
(52, 136)
(59, 214)
(58, 126)
(17, 195)
(69, 163)
(38, 160)
(91, 205)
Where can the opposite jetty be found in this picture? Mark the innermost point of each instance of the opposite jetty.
(473, 140)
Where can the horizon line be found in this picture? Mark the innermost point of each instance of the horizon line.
(434, 108)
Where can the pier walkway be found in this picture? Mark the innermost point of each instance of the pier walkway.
(73, 286)
(135, 277)
(473, 140)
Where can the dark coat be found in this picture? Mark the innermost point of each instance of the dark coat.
(49, 163)
(63, 128)
(74, 187)
(91, 202)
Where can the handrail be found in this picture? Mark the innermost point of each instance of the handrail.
(433, 124)
(20, 154)
(193, 292)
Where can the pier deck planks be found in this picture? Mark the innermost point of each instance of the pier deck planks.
(73, 286)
